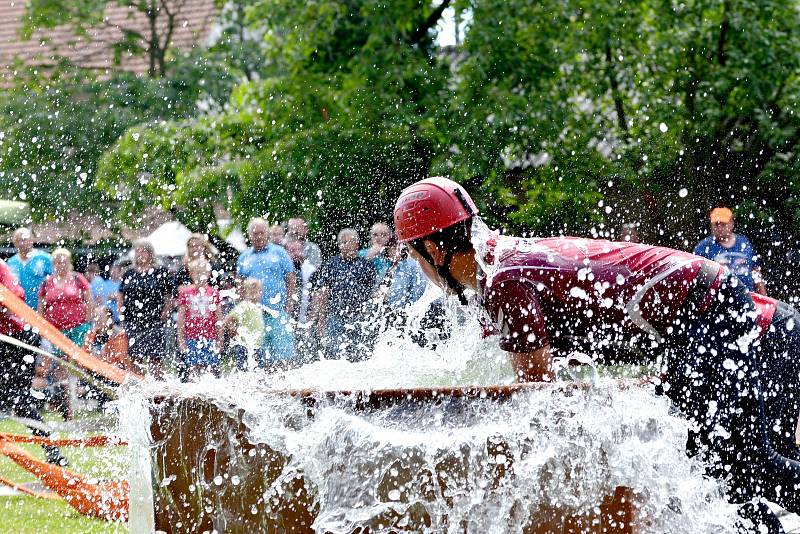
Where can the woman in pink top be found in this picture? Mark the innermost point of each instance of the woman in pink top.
(65, 300)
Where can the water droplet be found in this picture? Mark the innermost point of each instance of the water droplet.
(577, 293)
(218, 480)
(394, 495)
(683, 192)
(663, 127)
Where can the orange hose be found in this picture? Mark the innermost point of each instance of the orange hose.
(89, 441)
(106, 500)
(52, 334)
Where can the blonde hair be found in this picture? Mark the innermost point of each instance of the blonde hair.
(209, 251)
(61, 251)
(22, 233)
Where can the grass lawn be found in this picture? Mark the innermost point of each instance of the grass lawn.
(37, 516)
(23, 514)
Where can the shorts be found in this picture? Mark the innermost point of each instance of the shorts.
(75, 334)
(78, 333)
(240, 354)
(278, 338)
(146, 346)
(201, 352)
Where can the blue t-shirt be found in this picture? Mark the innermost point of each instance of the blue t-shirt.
(105, 291)
(740, 259)
(408, 285)
(31, 274)
(380, 262)
(270, 266)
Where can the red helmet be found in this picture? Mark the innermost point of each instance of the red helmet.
(431, 205)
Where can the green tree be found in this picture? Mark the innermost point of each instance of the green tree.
(654, 109)
(54, 130)
(343, 119)
(568, 116)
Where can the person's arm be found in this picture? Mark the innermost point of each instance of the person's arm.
(315, 256)
(169, 305)
(240, 273)
(533, 366)
(120, 305)
(219, 319)
(230, 324)
(120, 351)
(170, 288)
(319, 310)
(89, 303)
(513, 304)
(758, 281)
(291, 285)
(180, 327)
(88, 300)
(42, 292)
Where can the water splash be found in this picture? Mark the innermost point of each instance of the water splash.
(454, 465)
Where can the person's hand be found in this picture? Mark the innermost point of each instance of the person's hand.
(39, 383)
(381, 294)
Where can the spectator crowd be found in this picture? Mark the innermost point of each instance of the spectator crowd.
(282, 304)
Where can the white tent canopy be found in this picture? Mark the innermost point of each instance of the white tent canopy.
(170, 238)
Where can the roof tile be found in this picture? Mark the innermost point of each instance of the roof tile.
(194, 22)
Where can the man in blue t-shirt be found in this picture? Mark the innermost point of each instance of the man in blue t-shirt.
(732, 250)
(31, 265)
(271, 265)
(344, 288)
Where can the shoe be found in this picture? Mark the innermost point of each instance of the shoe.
(55, 457)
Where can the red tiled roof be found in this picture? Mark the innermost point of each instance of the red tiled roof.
(193, 23)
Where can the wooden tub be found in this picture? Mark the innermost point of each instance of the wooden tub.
(207, 475)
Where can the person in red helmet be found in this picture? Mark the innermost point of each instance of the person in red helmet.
(722, 343)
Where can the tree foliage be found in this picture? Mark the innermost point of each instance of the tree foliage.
(53, 130)
(325, 133)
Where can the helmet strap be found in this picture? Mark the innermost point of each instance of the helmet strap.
(444, 272)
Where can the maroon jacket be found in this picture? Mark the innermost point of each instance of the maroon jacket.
(535, 289)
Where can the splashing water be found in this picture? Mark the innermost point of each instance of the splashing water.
(474, 465)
